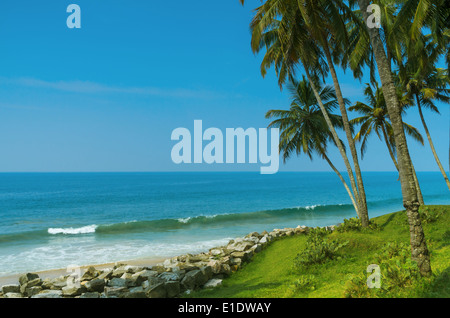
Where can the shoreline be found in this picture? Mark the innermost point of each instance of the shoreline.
(54, 273)
(147, 278)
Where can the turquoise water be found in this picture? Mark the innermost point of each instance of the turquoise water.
(53, 220)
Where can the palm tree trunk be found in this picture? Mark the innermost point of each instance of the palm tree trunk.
(430, 141)
(391, 153)
(419, 191)
(419, 249)
(361, 194)
(335, 136)
(343, 181)
(416, 180)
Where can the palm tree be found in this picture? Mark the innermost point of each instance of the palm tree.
(296, 47)
(325, 23)
(375, 119)
(435, 15)
(280, 27)
(303, 127)
(425, 84)
(419, 249)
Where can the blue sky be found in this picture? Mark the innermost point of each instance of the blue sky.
(106, 97)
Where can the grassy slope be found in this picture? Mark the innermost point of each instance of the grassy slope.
(271, 272)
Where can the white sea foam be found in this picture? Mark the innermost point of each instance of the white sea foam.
(73, 231)
(185, 220)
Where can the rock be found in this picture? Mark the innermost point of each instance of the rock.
(151, 282)
(72, 291)
(90, 295)
(13, 295)
(197, 258)
(58, 283)
(213, 283)
(157, 291)
(252, 239)
(33, 291)
(118, 272)
(144, 275)
(188, 267)
(126, 276)
(194, 279)
(256, 248)
(154, 281)
(90, 274)
(158, 268)
(254, 234)
(119, 282)
(173, 288)
(133, 269)
(27, 277)
(216, 252)
(95, 285)
(215, 266)
(106, 274)
(136, 292)
(236, 261)
(248, 255)
(46, 283)
(241, 246)
(11, 289)
(115, 292)
(29, 284)
(34, 282)
(226, 269)
(168, 276)
(48, 294)
(238, 255)
(264, 240)
(207, 271)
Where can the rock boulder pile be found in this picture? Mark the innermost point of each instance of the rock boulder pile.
(181, 274)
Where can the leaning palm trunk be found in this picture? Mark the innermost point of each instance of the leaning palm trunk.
(335, 137)
(343, 182)
(361, 194)
(436, 157)
(419, 249)
(416, 180)
(419, 191)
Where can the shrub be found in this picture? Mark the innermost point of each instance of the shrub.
(318, 249)
(354, 224)
(429, 216)
(398, 272)
(305, 283)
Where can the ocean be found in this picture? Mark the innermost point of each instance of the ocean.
(53, 220)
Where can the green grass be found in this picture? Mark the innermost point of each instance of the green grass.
(271, 274)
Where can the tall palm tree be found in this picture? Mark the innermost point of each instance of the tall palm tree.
(296, 47)
(419, 248)
(280, 27)
(325, 23)
(425, 84)
(303, 127)
(375, 119)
